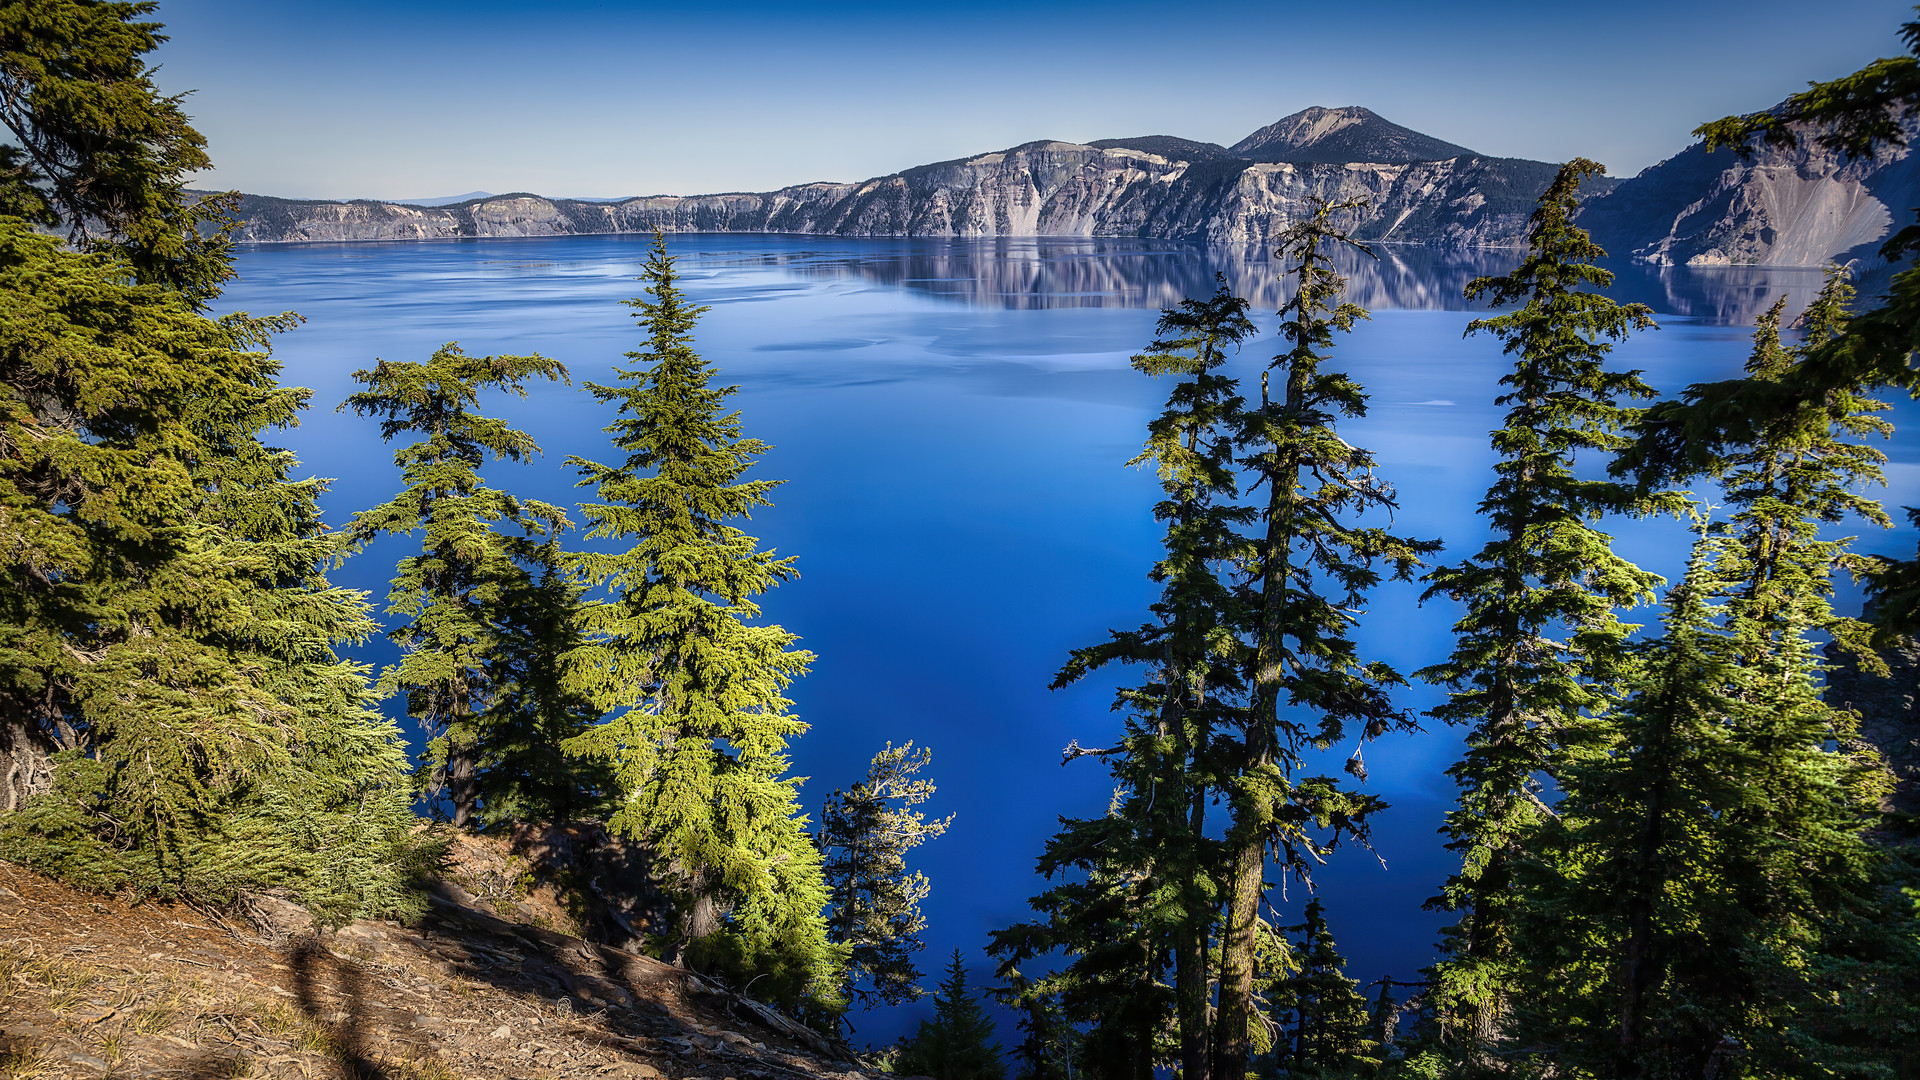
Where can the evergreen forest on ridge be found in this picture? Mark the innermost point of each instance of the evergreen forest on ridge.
(1676, 855)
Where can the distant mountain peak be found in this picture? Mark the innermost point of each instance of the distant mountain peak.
(1342, 135)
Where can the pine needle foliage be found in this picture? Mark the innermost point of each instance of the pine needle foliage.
(1799, 470)
(1708, 900)
(1540, 648)
(1785, 938)
(700, 720)
(523, 769)
(167, 628)
(98, 152)
(1309, 687)
(1627, 904)
(1807, 469)
(453, 594)
(958, 1043)
(866, 832)
(1049, 1046)
(1109, 912)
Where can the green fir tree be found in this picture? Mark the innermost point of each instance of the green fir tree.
(1049, 1046)
(1798, 958)
(176, 719)
(1626, 934)
(1329, 1030)
(958, 1043)
(174, 716)
(525, 773)
(451, 594)
(1857, 116)
(1540, 647)
(97, 152)
(1107, 913)
(700, 722)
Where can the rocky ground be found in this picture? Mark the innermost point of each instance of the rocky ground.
(91, 987)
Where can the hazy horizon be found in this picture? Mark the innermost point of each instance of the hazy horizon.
(422, 99)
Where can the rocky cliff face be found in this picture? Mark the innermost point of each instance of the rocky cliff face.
(1799, 207)
(1803, 206)
(1041, 189)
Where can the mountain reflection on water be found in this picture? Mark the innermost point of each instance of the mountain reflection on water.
(1025, 273)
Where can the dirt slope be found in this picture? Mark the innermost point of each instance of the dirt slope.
(90, 987)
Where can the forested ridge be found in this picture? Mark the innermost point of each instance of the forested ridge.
(1677, 856)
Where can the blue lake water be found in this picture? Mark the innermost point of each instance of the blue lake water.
(952, 419)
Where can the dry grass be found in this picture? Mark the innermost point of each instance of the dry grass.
(283, 1021)
(151, 1019)
(418, 1068)
(63, 986)
(317, 1039)
(237, 1067)
(21, 1060)
(113, 1046)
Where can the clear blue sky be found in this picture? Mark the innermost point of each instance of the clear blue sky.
(414, 99)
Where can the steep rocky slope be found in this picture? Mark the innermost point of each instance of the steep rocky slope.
(1040, 189)
(90, 987)
(1802, 206)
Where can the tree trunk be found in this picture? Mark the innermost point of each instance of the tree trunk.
(1190, 975)
(463, 789)
(1485, 931)
(26, 760)
(1253, 814)
(1190, 938)
(1231, 1043)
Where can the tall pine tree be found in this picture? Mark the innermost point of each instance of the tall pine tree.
(97, 152)
(1626, 934)
(166, 619)
(1310, 688)
(1329, 1030)
(1154, 873)
(1857, 116)
(1806, 941)
(532, 711)
(1540, 648)
(698, 737)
